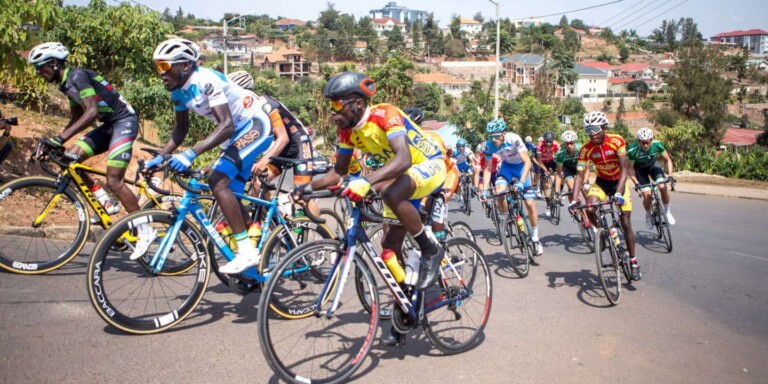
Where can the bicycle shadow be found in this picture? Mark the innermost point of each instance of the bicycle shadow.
(500, 265)
(573, 243)
(590, 290)
(650, 241)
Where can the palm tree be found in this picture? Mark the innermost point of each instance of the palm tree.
(563, 64)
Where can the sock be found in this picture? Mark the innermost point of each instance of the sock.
(666, 208)
(244, 244)
(535, 235)
(425, 243)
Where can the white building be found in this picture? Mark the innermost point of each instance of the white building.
(522, 23)
(591, 85)
(386, 24)
(470, 26)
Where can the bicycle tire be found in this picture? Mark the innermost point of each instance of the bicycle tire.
(460, 229)
(495, 218)
(124, 303)
(607, 266)
(556, 212)
(334, 223)
(662, 225)
(316, 348)
(386, 301)
(512, 246)
(444, 325)
(165, 201)
(467, 200)
(587, 234)
(17, 229)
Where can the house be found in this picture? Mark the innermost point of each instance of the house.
(386, 24)
(603, 66)
(470, 26)
(759, 64)
(403, 15)
(591, 83)
(635, 70)
(287, 63)
(523, 23)
(654, 85)
(559, 32)
(619, 84)
(596, 30)
(664, 67)
(450, 84)
(288, 25)
(521, 68)
(740, 137)
(756, 40)
(360, 47)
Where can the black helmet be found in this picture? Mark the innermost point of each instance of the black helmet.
(549, 136)
(415, 114)
(346, 84)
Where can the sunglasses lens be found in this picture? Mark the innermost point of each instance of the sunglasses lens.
(163, 66)
(593, 129)
(337, 105)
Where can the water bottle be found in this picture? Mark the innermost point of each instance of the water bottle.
(284, 203)
(614, 236)
(299, 213)
(412, 267)
(619, 199)
(520, 223)
(101, 196)
(390, 259)
(254, 232)
(225, 231)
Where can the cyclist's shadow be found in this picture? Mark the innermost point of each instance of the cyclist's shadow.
(573, 243)
(590, 291)
(650, 241)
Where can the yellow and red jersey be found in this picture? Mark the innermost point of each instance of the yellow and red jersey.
(605, 157)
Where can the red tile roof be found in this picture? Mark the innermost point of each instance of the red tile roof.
(620, 80)
(279, 55)
(634, 67)
(438, 78)
(741, 33)
(740, 136)
(597, 64)
(385, 20)
(289, 22)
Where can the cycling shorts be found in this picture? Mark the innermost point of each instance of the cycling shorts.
(510, 172)
(653, 170)
(603, 188)
(550, 165)
(116, 137)
(357, 174)
(237, 160)
(299, 148)
(451, 182)
(535, 169)
(429, 176)
(569, 172)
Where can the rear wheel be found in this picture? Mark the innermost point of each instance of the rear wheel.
(662, 226)
(607, 266)
(460, 229)
(517, 251)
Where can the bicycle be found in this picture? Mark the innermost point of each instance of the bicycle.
(515, 232)
(139, 298)
(659, 215)
(553, 202)
(465, 183)
(42, 214)
(342, 326)
(610, 249)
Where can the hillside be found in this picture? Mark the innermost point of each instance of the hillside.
(592, 46)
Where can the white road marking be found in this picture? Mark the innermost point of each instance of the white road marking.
(750, 256)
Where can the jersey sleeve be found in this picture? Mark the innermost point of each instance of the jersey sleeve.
(560, 157)
(178, 104)
(581, 165)
(621, 146)
(79, 87)
(389, 119)
(659, 146)
(345, 144)
(517, 142)
(214, 91)
(632, 151)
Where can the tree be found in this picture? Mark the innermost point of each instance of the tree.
(395, 39)
(416, 28)
(455, 26)
(475, 111)
(394, 81)
(623, 52)
(455, 49)
(579, 24)
(689, 31)
(529, 116)
(367, 33)
(428, 98)
(563, 65)
(571, 39)
(699, 89)
(563, 22)
(638, 86)
(478, 17)
(433, 37)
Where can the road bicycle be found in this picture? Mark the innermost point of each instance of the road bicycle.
(659, 215)
(465, 193)
(515, 231)
(331, 344)
(139, 298)
(45, 220)
(553, 202)
(611, 254)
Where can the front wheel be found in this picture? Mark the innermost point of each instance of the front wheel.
(517, 249)
(40, 228)
(460, 229)
(662, 226)
(128, 295)
(585, 227)
(607, 266)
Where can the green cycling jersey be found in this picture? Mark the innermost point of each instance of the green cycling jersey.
(568, 160)
(641, 158)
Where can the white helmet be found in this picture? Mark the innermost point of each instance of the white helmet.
(528, 139)
(176, 50)
(568, 136)
(644, 134)
(44, 52)
(595, 118)
(242, 79)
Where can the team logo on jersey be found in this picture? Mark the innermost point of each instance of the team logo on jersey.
(208, 89)
(595, 155)
(293, 129)
(609, 153)
(395, 121)
(378, 112)
(247, 138)
(247, 102)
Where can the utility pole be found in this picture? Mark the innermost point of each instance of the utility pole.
(226, 45)
(496, 80)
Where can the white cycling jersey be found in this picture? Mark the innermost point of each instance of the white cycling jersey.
(509, 151)
(462, 158)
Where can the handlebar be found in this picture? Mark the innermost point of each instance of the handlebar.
(55, 153)
(150, 184)
(194, 174)
(671, 180)
(315, 195)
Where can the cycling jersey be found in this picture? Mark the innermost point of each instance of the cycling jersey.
(567, 160)
(548, 153)
(449, 162)
(384, 122)
(636, 154)
(79, 84)
(354, 163)
(509, 150)
(462, 158)
(494, 163)
(532, 149)
(299, 143)
(604, 156)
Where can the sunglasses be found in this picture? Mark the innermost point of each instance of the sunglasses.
(339, 105)
(644, 141)
(496, 135)
(570, 142)
(40, 66)
(164, 66)
(593, 129)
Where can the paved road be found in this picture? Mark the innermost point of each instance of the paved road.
(699, 315)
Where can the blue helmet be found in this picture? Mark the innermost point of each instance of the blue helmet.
(461, 143)
(496, 126)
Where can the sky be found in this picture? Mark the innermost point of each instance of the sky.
(712, 16)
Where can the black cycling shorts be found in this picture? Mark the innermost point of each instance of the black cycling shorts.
(299, 147)
(550, 165)
(654, 171)
(569, 172)
(116, 137)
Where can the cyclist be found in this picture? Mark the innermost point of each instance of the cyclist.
(567, 159)
(533, 152)
(92, 98)
(546, 157)
(243, 128)
(643, 154)
(452, 173)
(481, 166)
(515, 164)
(608, 153)
(414, 165)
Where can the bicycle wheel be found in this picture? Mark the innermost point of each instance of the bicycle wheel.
(335, 224)
(280, 242)
(495, 218)
(556, 211)
(587, 234)
(516, 250)
(457, 308)
(31, 249)
(460, 229)
(386, 301)
(317, 349)
(133, 299)
(166, 201)
(662, 226)
(467, 199)
(607, 266)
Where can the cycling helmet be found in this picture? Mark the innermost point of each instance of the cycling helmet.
(568, 136)
(176, 50)
(595, 119)
(496, 126)
(528, 139)
(461, 143)
(45, 52)
(347, 84)
(415, 114)
(549, 136)
(242, 78)
(644, 134)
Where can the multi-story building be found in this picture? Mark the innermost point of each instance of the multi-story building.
(386, 24)
(522, 23)
(288, 63)
(522, 68)
(756, 40)
(398, 13)
(470, 26)
(592, 83)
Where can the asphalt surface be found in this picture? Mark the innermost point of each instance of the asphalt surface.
(700, 314)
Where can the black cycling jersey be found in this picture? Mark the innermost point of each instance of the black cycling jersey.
(299, 143)
(79, 83)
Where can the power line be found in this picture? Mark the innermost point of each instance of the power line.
(634, 14)
(627, 9)
(652, 18)
(576, 10)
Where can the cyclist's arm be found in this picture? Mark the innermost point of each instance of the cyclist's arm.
(333, 177)
(559, 177)
(487, 172)
(664, 155)
(179, 132)
(632, 174)
(623, 173)
(526, 166)
(398, 165)
(82, 116)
